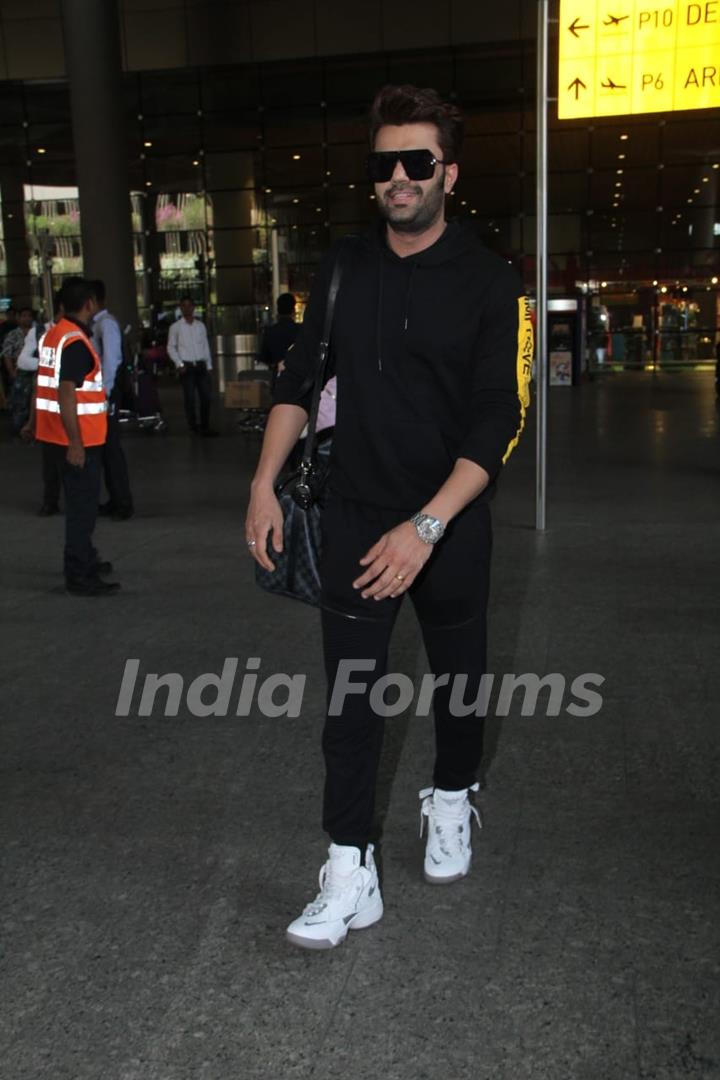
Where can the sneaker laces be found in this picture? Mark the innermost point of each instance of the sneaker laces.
(332, 883)
(448, 815)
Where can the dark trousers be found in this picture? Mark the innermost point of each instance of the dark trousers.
(196, 381)
(82, 491)
(115, 467)
(52, 466)
(450, 599)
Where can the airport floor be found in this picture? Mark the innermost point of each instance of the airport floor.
(152, 862)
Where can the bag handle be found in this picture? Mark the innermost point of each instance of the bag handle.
(323, 354)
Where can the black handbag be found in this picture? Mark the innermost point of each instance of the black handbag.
(301, 495)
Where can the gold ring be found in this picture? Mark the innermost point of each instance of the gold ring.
(400, 577)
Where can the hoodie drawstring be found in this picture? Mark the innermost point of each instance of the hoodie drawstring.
(406, 316)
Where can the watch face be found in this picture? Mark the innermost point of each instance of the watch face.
(429, 529)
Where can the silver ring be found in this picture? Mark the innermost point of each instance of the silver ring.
(251, 543)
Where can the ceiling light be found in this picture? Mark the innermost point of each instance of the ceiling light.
(713, 281)
(689, 200)
(296, 157)
(618, 183)
(716, 165)
(696, 191)
(351, 187)
(147, 143)
(706, 179)
(654, 282)
(196, 162)
(41, 150)
(296, 200)
(603, 284)
(148, 183)
(619, 172)
(663, 289)
(624, 138)
(621, 157)
(268, 191)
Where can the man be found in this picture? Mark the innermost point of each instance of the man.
(189, 349)
(279, 337)
(107, 339)
(8, 324)
(71, 417)
(19, 354)
(431, 347)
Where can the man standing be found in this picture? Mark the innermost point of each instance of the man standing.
(20, 356)
(107, 339)
(432, 348)
(189, 349)
(280, 336)
(71, 417)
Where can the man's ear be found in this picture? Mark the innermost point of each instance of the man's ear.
(451, 175)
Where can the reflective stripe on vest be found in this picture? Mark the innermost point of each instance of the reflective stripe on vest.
(90, 398)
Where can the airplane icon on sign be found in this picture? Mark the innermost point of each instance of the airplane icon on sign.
(610, 85)
(615, 20)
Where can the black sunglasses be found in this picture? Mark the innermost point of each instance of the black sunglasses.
(418, 164)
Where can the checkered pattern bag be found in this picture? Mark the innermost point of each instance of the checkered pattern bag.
(297, 567)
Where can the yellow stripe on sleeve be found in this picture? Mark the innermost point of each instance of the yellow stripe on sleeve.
(525, 352)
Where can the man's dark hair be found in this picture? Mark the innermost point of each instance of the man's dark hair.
(398, 105)
(186, 296)
(22, 310)
(75, 293)
(99, 291)
(285, 303)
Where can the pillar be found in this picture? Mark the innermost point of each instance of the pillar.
(17, 268)
(91, 33)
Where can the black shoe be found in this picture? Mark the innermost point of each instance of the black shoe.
(92, 586)
(105, 509)
(122, 513)
(103, 567)
(48, 510)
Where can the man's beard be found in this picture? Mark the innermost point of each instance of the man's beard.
(426, 212)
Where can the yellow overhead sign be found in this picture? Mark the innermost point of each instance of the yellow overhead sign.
(619, 57)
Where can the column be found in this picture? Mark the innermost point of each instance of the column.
(91, 34)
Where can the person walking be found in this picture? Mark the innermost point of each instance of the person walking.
(22, 349)
(107, 339)
(432, 348)
(279, 336)
(189, 349)
(71, 418)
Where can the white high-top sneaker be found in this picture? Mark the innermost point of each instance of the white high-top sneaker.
(349, 899)
(449, 817)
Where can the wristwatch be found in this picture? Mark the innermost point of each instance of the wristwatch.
(429, 529)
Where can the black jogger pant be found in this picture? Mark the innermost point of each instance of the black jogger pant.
(450, 598)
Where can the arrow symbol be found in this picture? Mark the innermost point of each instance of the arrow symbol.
(575, 26)
(577, 83)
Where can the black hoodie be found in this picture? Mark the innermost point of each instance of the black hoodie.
(432, 354)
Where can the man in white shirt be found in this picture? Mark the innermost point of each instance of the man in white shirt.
(20, 356)
(189, 349)
(107, 339)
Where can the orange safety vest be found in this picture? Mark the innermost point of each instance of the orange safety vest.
(90, 397)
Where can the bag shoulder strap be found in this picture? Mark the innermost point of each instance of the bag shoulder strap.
(323, 355)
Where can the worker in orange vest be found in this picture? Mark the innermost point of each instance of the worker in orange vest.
(71, 416)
